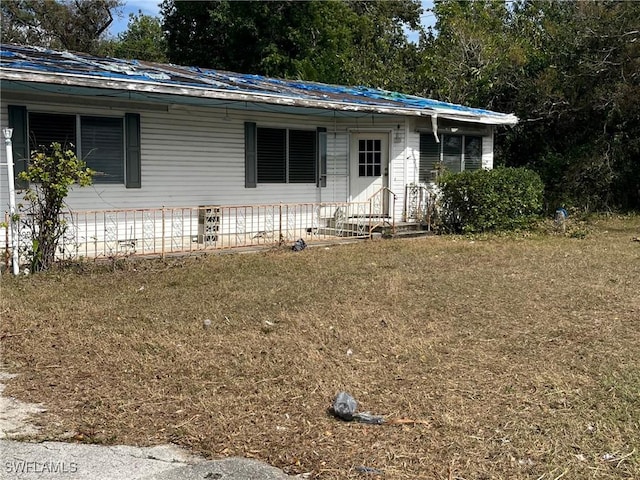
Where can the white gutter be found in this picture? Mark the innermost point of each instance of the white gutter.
(219, 94)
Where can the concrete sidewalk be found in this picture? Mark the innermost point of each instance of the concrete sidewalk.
(72, 461)
(58, 461)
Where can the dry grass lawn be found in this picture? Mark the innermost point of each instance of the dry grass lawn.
(520, 356)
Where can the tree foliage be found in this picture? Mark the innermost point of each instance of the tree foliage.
(78, 25)
(142, 40)
(51, 172)
(334, 41)
(570, 70)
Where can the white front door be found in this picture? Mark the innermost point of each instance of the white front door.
(369, 164)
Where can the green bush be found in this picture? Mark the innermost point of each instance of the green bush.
(490, 200)
(51, 173)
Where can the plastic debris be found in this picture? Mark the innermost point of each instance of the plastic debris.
(560, 219)
(299, 245)
(345, 408)
(369, 470)
(366, 417)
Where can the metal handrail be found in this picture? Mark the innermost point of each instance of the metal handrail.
(391, 205)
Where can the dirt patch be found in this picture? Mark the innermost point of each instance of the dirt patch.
(15, 415)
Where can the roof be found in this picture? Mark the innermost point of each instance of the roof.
(24, 64)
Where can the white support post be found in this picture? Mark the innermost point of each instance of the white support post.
(8, 133)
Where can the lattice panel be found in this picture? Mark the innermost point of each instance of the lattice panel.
(241, 226)
(148, 231)
(110, 233)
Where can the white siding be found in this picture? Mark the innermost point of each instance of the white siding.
(398, 167)
(487, 151)
(337, 189)
(189, 157)
(412, 154)
(194, 156)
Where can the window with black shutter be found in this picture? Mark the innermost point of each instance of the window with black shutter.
(99, 141)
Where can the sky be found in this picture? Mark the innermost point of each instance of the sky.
(152, 7)
(148, 7)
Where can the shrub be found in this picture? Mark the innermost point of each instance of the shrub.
(490, 200)
(51, 173)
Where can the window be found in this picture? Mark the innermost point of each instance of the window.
(102, 147)
(369, 158)
(302, 156)
(100, 142)
(286, 155)
(109, 145)
(272, 155)
(47, 128)
(454, 153)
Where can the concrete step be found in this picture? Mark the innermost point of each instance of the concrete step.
(406, 230)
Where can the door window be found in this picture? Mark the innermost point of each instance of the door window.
(369, 158)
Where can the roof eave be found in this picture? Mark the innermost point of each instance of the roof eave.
(220, 94)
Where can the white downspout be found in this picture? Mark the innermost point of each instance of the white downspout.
(434, 126)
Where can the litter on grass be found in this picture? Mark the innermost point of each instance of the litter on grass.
(369, 470)
(345, 408)
(299, 245)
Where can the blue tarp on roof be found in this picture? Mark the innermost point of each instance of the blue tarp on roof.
(14, 58)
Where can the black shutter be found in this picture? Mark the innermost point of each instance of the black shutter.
(250, 158)
(322, 156)
(271, 155)
(302, 156)
(18, 121)
(133, 152)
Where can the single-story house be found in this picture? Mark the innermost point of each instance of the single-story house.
(163, 136)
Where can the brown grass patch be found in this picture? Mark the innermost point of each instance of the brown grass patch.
(519, 356)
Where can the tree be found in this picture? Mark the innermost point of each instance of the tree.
(142, 40)
(77, 25)
(580, 106)
(50, 174)
(473, 59)
(569, 70)
(333, 41)
(382, 56)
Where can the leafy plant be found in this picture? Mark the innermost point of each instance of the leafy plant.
(490, 200)
(51, 173)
